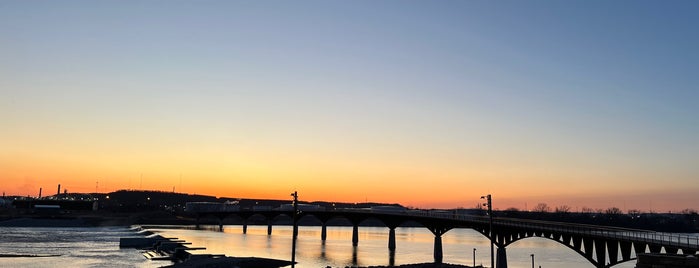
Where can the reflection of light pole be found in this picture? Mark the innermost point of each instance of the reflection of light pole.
(294, 232)
(490, 223)
(532, 260)
(474, 257)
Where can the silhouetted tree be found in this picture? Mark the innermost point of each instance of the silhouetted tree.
(613, 211)
(542, 207)
(563, 209)
(587, 210)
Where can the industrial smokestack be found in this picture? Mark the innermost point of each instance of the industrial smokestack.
(40, 192)
(59, 189)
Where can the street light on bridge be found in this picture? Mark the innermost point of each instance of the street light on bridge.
(489, 204)
(532, 260)
(294, 232)
(474, 257)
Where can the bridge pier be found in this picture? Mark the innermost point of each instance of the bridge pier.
(438, 255)
(324, 232)
(220, 225)
(438, 231)
(355, 234)
(269, 227)
(502, 257)
(245, 227)
(392, 239)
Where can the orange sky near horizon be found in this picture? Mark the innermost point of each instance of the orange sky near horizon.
(431, 105)
(318, 178)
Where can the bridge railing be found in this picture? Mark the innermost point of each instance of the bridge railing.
(617, 233)
(624, 234)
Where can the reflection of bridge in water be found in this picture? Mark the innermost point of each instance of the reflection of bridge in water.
(602, 246)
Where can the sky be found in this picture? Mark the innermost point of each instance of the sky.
(430, 104)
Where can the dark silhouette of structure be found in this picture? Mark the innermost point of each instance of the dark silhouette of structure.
(594, 243)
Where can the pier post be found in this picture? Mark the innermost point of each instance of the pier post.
(392, 239)
(502, 258)
(438, 248)
(324, 232)
(355, 234)
(438, 231)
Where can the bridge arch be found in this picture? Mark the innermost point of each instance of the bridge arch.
(594, 250)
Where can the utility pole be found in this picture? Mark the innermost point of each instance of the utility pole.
(294, 232)
(489, 204)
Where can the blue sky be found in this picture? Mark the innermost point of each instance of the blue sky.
(527, 92)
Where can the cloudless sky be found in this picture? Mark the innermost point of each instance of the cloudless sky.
(425, 103)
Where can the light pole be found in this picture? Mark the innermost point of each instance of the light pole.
(474, 257)
(489, 204)
(294, 232)
(532, 260)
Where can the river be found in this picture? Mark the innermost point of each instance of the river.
(73, 247)
(414, 245)
(99, 247)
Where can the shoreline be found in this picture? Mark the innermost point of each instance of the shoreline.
(28, 255)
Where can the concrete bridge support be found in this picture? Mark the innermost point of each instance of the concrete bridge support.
(269, 227)
(324, 232)
(392, 238)
(601, 250)
(438, 231)
(220, 222)
(502, 258)
(355, 234)
(245, 226)
(438, 255)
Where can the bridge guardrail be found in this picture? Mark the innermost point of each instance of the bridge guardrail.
(626, 234)
(623, 234)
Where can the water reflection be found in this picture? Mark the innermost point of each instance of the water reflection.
(323, 257)
(354, 256)
(414, 245)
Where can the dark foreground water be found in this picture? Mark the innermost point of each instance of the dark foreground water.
(99, 247)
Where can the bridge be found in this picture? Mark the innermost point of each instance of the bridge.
(600, 245)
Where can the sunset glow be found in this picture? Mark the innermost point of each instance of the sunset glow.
(587, 104)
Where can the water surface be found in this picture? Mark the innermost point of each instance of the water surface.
(414, 245)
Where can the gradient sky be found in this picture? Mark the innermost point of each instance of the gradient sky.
(426, 103)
